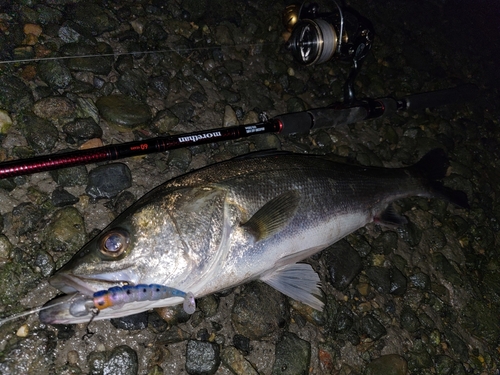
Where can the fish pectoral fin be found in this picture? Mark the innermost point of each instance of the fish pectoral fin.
(273, 216)
(390, 218)
(298, 281)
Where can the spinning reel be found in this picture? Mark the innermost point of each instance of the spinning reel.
(318, 37)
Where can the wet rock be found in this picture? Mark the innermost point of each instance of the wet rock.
(258, 311)
(398, 282)
(44, 263)
(323, 140)
(25, 218)
(343, 322)
(390, 364)
(109, 180)
(223, 81)
(66, 231)
(202, 358)
(5, 122)
(236, 363)
(92, 18)
(266, 142)
(180, 158)
(70, 32)
(387, 280)
(242, 343)
(344, 264)
(172, 336)
(230, 96)
(386, 243)
(133, 82)
(411, 233)
(409, 319)
(14, 94)
(435, 238)
(418, 360)
(5, 247)
(82, 129)
(183, 111)
(54, 108)
(40, 134)
(164, 121)
(318, 318)
(444, 365)
(230, 118)
(131, 322)
(421, 280)
(371, 327)
(47, 15)
(293, 355)
(74, 176)
(208, 305)
(380, 278)
(54, 73)
(124, 111)
(101, 64)
(155, 33)
(449, 272)
(160, 84)
(457, 345)
(29, 355)
(121, 360)
(295, 104)
(173, 315)
(195, 9)
(198, 97)
(86, 107)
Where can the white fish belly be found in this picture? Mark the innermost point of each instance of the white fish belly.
(290, 246)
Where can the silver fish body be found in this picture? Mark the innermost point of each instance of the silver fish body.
(240, 220)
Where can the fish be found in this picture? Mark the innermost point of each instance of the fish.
(255, 217)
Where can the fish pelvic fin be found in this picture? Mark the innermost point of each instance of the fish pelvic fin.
(273, 216)
(298, 281)
(433, 167)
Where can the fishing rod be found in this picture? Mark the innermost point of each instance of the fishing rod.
(315, 37)
(285, 124)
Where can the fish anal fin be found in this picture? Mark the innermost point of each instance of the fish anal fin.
(273, 216)
(390, 218)
(298, 281)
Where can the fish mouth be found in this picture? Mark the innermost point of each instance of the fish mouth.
(69, 284)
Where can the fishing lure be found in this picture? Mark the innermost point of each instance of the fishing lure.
(118, 296)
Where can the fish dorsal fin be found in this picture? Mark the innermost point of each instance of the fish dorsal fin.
(273, 216)
(390, 218)
(298, 281)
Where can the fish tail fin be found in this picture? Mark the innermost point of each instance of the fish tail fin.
(433, 167)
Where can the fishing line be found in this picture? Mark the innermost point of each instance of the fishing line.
(116, 54)
(32, 311)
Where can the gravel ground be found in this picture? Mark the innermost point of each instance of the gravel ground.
(421, 299)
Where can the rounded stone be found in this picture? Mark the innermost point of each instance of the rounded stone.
(202, 357)
(390, 364)
(123, 110)
(259, 311)
(54, 108)
(107, 181)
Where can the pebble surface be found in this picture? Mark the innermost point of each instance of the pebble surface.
(420, 299)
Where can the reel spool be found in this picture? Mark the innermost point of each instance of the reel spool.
(318, 37)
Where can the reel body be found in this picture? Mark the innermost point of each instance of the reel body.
(318, 37)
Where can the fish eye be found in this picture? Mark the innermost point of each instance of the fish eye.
(114, 243)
